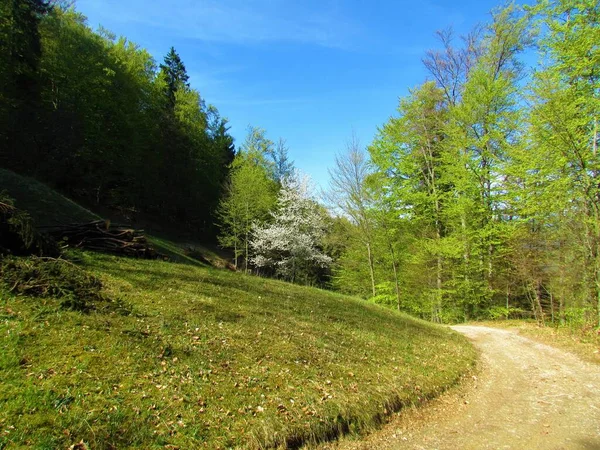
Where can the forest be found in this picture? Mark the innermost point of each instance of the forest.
(478, 199)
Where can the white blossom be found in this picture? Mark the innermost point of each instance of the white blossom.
(289, 244)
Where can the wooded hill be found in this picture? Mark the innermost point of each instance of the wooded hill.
(478, 199)
(98, 118)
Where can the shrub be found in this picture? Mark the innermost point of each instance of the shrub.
(502, 312)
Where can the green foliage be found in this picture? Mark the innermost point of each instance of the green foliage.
(485, 190)
(242, 207)
(503, 312)
(101, 122)
(175, 75)
(562, 172)
(386, 295)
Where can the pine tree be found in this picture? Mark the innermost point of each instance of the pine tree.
(175, 74)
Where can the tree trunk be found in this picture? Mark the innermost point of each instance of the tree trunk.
(247, 238)
(438, 275)
(395, 276)
(371, 268)
(538, 300)
(507, 299)
(235, 255)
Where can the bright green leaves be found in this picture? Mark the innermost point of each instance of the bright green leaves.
(251, 194)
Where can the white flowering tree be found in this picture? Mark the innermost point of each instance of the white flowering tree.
(290, 245)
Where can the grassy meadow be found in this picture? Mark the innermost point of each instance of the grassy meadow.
(206, 358)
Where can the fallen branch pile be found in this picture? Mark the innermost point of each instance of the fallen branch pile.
(101, 236)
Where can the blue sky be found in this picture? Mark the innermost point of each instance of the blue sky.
(309, 71)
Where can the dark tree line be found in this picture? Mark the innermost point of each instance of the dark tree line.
(95, 117)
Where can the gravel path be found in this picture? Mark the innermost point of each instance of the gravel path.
(526, 396)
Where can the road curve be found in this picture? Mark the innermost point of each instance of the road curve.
(527, 396)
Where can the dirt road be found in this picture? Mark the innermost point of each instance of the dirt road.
(526, 396)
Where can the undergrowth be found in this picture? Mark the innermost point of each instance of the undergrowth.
(18, 234)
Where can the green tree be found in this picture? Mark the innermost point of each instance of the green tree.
(175, 75)
(20, 54)
(408, 154)
(349, 195)
(561, 169)
(107, 125)
(250, 195)
(282, 165)
(484, 127)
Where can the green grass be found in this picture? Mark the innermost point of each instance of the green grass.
(210, 359)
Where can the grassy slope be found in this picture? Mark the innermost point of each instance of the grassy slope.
(49, 208)
(208, 358)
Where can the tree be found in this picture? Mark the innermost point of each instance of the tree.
(249, 197)
(483, 130)
(95, 118)
(408, 154)
(291, 244)
(450, 68)
(562, 169)
(282, 166)
(441, 167)
(175, 75)
(348, 193)
(20, 54)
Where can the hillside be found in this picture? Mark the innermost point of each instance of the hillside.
(46, 206)
(210, 358)
(196, 357)
(49, 208)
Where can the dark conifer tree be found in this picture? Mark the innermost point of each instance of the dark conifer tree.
(175, 75)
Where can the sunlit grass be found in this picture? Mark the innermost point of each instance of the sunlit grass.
(210, 359)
